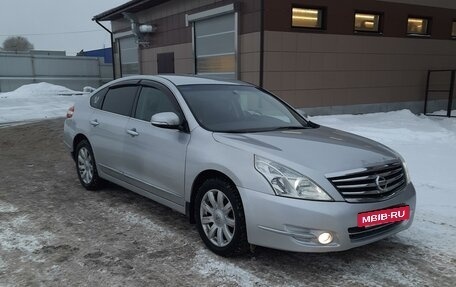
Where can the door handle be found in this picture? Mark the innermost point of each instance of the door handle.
(133, 132)
(94, 123)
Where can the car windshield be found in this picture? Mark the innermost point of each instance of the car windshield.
(233, 108)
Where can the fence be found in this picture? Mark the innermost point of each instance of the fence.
(69, 71)
(440, 93)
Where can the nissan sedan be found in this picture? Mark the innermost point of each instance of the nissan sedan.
(243, 165)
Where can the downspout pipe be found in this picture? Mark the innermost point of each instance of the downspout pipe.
(261, 80)
(112, 48)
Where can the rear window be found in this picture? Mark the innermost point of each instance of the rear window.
(97, 99)
(120, 100)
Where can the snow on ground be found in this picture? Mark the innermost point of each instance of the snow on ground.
(428, 145)
(35, 102)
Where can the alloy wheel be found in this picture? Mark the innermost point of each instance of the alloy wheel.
(85, 165)
(217, 217)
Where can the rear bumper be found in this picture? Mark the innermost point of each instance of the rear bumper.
(69, 132)
(294, 225)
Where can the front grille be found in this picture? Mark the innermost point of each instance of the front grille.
(359, 233)
(370, 184)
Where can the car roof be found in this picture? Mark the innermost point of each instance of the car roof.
(182, 80)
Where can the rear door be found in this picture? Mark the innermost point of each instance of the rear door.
(155, 157)
(108, 131)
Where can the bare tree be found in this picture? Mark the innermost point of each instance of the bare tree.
(17, 43)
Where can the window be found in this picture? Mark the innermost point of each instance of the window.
(232, 108)
(367, 22)
(120, 100)
(129, 56)
(417, 26)
(153, 101)
(215, 46)
(165, 63)
(453, 30)
(97, 100)
(307, 18)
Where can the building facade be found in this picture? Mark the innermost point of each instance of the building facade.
(324, 56)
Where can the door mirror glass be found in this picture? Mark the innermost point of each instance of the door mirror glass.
(167, 120)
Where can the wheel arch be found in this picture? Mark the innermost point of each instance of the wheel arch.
(77, 139)
(199, 180)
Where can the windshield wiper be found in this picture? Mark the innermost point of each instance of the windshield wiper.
(289, 128)
(261, 130)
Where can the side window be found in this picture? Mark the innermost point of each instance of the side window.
(152, 101)
(120, 100)
(97, 99)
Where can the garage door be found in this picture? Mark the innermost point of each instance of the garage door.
(215, 50)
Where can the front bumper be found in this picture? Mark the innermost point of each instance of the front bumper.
(294, 225)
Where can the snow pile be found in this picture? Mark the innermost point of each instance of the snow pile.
(37, 90)
(35, 102)
(428, 145)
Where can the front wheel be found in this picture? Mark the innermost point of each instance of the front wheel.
(220, 218)
(86, 167)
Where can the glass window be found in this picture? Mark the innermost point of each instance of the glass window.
(153, 101)
(453, 30)
(367, 22)
(129, 56)
(216, 64)
(418, 26)
(97, 99)
(307, 18)
(215, 47)
(120, 100)
(233, 108)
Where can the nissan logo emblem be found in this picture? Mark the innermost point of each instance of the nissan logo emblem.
(381, 183)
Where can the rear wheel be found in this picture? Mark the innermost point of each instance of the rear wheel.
(86, 167)
(219, 216)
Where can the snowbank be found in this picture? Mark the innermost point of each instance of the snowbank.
(37, 90)
(35, 102)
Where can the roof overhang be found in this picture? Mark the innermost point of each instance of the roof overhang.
(131, 6)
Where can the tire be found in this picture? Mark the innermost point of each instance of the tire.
(223, 231)
(86, 167)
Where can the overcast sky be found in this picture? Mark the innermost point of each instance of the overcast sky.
(64, 25)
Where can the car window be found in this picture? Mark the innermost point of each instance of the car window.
(152, 101)
(120, 100)
(233, 108)
(97, 99)
(266, 106)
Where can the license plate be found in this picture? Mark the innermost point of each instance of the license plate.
(372, 218)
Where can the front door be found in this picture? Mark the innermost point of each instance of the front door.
(155, 157)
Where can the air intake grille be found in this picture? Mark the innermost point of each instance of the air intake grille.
(359, 233)
(370, 184)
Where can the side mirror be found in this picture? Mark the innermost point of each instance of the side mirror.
(303, 114)
(167, 120)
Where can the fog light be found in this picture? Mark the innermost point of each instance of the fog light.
(325, 238)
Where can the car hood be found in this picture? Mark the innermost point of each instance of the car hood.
(322, 149)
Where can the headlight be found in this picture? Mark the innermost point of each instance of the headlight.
(406, 171)
(407, 174)
(289, 183)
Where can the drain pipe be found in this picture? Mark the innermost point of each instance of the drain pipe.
(112, 50)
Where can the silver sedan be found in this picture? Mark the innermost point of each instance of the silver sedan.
(243, 165)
